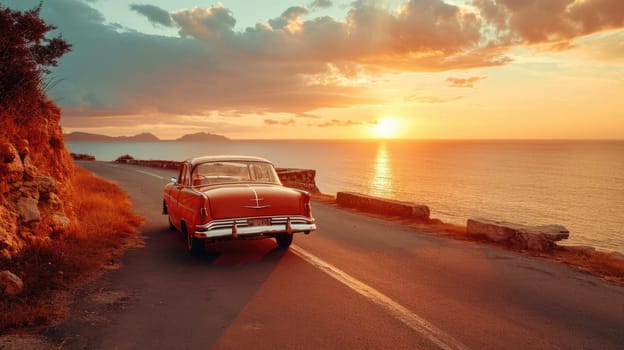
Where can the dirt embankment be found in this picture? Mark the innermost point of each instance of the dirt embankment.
(50, 213)
(35, 177)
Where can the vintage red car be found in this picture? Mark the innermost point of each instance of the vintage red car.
(234, 197)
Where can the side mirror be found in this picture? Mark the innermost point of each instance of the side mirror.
(174, 180)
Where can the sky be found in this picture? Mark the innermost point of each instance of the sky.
(332, 69)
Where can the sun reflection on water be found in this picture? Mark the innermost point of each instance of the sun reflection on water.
(381, 184)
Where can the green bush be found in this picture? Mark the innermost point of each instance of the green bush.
(26, 52)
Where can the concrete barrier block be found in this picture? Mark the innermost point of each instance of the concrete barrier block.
(383, 206)
(536, 238)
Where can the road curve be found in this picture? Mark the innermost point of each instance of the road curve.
(356, 283)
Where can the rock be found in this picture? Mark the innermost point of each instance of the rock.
(10, 283)
(303, 179)
(124, 159)
(60, 222)
(536, 238)
(45, 184)
(29, 189)
(383, 206)
(28, 211)
(535, 242)
(23, 147)
(53, 201)
(29, 168)
(8, 153)
(11, 162)
(551, 232)
(9, 242)
(492, 230)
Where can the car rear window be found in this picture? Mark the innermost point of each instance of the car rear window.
(233, 171)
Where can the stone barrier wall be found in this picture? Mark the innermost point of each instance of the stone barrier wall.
(383, 206)
(303, 179)
(80, 156)
(164, 164)
(535, 238)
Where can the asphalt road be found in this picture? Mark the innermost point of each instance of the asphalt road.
(356, 283)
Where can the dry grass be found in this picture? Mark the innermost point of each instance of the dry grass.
(598, 263)
(105, 224)
(102, 207)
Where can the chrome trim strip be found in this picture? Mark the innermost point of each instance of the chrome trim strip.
(238, 227)
(257, 206)
(254, 231)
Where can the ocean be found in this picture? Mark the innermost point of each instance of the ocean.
(578, 184)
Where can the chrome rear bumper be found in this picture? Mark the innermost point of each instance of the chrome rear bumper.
(239, 228)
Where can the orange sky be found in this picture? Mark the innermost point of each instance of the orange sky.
(320, 69)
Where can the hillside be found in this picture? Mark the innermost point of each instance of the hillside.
(88, 137)
(202, 137)
(59, 224)
(34, 177)
(143, 137)
(35, 167)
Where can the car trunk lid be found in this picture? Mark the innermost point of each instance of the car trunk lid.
(253, 200)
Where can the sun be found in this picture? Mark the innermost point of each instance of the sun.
(386, 128)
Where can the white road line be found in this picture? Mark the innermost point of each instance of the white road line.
(150, 174)
(410, 319)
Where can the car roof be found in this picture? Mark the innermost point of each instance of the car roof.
(224, 158)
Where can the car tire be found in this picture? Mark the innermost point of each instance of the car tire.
(284, 241)
(171, 226)
(194, 245)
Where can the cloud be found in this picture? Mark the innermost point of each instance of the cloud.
(154, 14)
(274, 122)
(321, 4)
(307, 115)
(336, 122)
(207, 24)
(291, 15)
(606, 48)
(463, 82)
(431, 99)
(294, 63)
(549, 21)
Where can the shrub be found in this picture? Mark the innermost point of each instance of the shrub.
(27, 52)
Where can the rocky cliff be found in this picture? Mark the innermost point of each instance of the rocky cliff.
(34, 171)
(34, 164)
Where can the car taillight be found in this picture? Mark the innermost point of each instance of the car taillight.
(307, 208)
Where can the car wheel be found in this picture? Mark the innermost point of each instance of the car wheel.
(171, 226)
(284, 241)
(194, 245)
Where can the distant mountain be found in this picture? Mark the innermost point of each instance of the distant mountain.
(144, 137)
(87, 137)
(202, 137)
